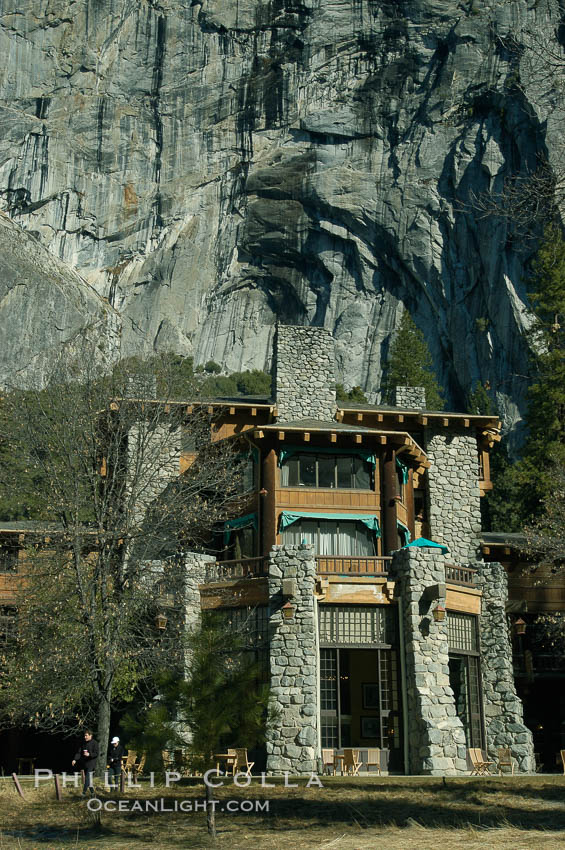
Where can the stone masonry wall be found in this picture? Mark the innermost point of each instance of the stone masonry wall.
(454, 497)
(304, 373)
(410, 398)
(504, 718)
(292, 742)
(196, 567)
(436, 737)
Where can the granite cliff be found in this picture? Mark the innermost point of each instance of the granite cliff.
(211, 166)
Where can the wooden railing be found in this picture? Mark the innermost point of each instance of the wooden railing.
(243, 568)
(464, 576)
(352, 566)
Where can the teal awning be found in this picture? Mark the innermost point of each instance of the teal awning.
(372, 522)
(241, 522)
(423, 543)
(289, 451)
(405, 532)
(403, 468)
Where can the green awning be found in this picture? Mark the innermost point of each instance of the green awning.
(424, 543)
(404, 532)
(249, 520)
(372, 522)
(403, 468)
(289, 451)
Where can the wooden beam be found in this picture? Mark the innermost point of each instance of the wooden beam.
(445, 422)
(258, 435)
(423, 420)
(466, 423)
(189, 409)
(420, 470)
(359, 417)
(114, 405)
(382, 440)
(306, 436)
(333, 437)
(210, 409)
(339, 416)
(358, 438)
(232, 411)
(253, 411)
(380, 417)
(486, 550)
(167, 408)
(281, 435)
(399, 417)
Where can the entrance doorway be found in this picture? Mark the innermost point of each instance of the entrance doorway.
(359, 682)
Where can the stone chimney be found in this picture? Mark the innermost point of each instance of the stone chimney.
(410, 398)
(304, 373)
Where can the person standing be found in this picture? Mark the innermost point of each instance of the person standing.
(115, 754)
(86, 758)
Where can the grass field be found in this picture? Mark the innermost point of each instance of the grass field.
(396, 813)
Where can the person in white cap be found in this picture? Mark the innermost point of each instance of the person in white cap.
(115, 753)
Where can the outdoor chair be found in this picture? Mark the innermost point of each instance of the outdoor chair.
(240, 762)
(373, 759)
(130, 761)
(351, 762)
(168, 760)
(504, 757)
(138, 766)
(563, 759)
(328, 761)
(480, 766)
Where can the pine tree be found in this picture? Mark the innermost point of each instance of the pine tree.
(410, 365)
(521, 492)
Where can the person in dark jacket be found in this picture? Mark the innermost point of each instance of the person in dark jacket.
(115, 753)
(85, 759)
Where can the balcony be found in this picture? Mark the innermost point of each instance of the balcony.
(243, 568)
(463, 576)
(329, 566)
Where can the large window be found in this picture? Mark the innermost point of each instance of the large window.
(339, 537)
(329, 471)
(465, 674)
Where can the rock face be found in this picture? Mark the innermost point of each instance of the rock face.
(47, 312)
(211, 166)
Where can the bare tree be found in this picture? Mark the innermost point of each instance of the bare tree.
(102, 458)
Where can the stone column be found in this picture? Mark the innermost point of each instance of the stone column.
(504, 718)
(292, 741)
(435, 733)
(196, 568)
(454, 495)
(304, 373)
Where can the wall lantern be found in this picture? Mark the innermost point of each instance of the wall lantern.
(161, 622)
(439, 613)
(520, 626)
(288, 611)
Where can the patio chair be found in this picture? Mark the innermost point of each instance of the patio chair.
(328, 761)
(504, 757)
(480, 766)
(563, 759)
(351, 761)
(241, 763)
(373, 759)
(130, 761)
(138, 766)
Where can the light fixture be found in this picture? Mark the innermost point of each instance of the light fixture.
(439, 613)
(520, 626)
(288, 611)
(161, 621)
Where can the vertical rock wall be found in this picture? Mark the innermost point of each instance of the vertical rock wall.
(504, 719)
(436, 737)
(292, 742)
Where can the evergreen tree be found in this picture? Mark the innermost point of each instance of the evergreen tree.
(410, 365)
(355, 394)
(521, 491)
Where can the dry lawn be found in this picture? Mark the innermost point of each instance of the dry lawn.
(393, 813)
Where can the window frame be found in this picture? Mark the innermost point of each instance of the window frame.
(295, 461)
